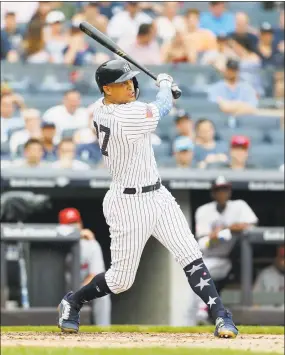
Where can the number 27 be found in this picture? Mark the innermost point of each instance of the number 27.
(107, 132)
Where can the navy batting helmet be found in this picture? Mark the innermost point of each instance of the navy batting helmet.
(116, 71)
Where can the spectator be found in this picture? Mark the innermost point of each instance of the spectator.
(91, 13)
(9, 120)
(207, 150)
(184, 124)
(87, 147)
(250, 63)
(69, 115)
(78, 52)
(278, 41)
(178, 50)
(269, 55)
(32, 130)
(55, 37)
(201, 39)
(7, 52)
(91, 263)
(239, 151)
(218, 57)
(271, 279)
(34, 45)
(215, 223)
(14, 34)
(33, 154)
(232, 95)
(66, 156)
(67, 8)
(49, 140)
(126, 23)
(110, 8)
(144, 47)
(218, 20)
(17, 99)
(243, 31)
(183, 148)
(24, 10)
(44, 7)
(169, 22)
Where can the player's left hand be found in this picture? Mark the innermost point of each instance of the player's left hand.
(87, 234)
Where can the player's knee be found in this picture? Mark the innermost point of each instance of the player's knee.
(119, 285)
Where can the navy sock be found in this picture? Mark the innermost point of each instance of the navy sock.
(96, 288)
(202, 284)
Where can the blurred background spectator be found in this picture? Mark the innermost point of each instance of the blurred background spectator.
(234, 97)
(217, 20)
(184, 124)
(33, 154)
(91, 13)
(66, 153)
(12, 31)
(69, 115)
(201, 39)
(126, 23)
(178, 50)
(44, 7)
(207, 149)
(55, 36)
(183, 150)
(144, 47)
(49, 140)
(243, 30)
(169, 22)
(32, 129)
(9, 118)
(271, 279)
(34, 44)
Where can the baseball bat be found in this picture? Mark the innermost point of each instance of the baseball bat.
(106, 42)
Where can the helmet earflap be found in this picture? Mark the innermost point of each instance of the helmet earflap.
(136, 86)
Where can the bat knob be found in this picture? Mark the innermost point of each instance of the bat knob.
(176, 92)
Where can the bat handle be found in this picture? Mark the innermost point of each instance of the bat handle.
(176, 92)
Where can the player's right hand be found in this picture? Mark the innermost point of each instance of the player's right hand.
(164, 77)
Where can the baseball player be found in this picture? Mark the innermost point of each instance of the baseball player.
(91, 262)
(137, 205)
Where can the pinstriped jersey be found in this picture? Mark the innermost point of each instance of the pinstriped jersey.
(124, 135)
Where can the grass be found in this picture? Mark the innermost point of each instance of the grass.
(147, 329)
(135, 351)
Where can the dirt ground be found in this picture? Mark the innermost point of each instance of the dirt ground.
(259, 343)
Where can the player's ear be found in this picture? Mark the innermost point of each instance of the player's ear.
(106, 90)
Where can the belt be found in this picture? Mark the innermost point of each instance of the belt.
(132, 190)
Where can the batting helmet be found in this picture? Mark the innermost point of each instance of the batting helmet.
(116, 71)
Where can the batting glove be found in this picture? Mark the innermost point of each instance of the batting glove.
(164, 78)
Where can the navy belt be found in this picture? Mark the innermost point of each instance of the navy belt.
(132, 190)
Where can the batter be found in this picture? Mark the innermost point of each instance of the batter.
(137, 205)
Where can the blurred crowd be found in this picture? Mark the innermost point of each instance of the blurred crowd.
(41, 32)
(154, 33)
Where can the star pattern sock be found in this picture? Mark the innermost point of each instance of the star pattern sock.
(202, 284)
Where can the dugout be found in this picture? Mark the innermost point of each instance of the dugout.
(160, 292)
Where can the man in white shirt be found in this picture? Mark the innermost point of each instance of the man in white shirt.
(69, 115)
(144, 47)
(126, 23)
(215, 223)
(169, 22)
(91, 263)
(66, 156)
(32, 130)
(8, 118)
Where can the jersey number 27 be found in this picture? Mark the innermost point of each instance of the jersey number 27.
(107, 132)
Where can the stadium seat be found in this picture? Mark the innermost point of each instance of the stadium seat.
(276, 136)
(167, 162)
(261, 122)
(162, 150)
(5, 149)
(255, 136)
(267, 155)
(166, 128)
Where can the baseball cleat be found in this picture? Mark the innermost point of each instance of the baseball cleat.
(225, 327)
(69, 315)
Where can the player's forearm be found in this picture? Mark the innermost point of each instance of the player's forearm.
(164, 99)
